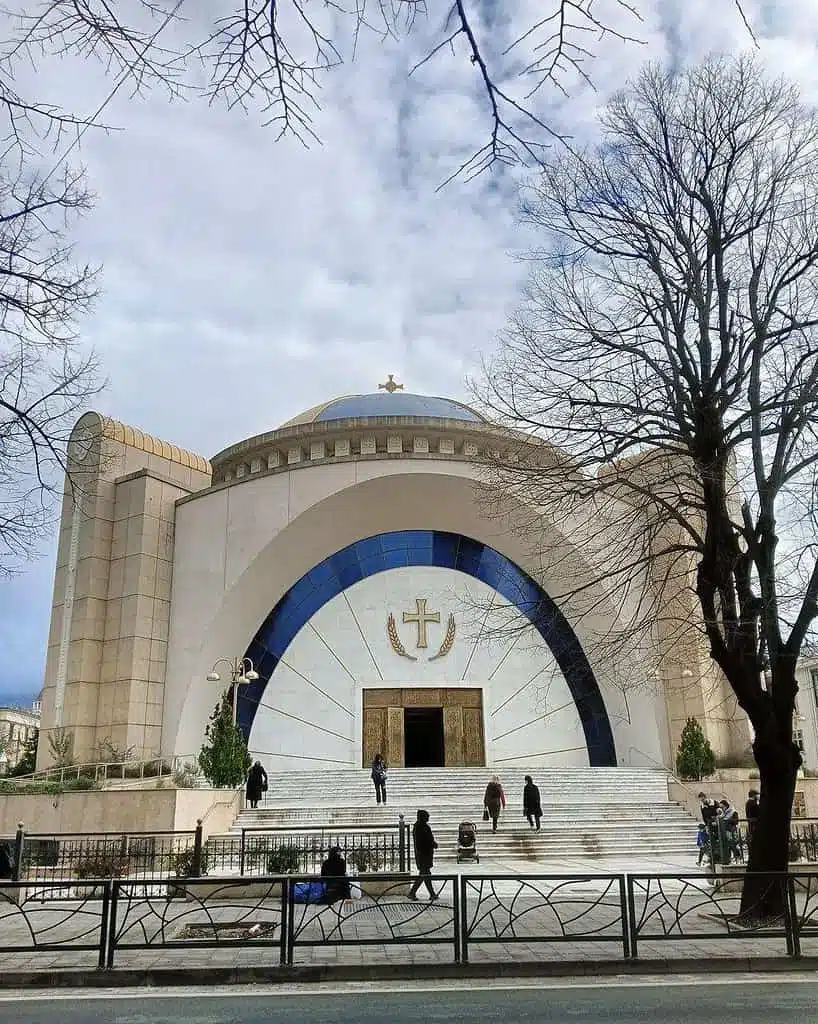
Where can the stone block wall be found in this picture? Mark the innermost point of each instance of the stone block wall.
(105, 667)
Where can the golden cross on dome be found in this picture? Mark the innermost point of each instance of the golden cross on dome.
(390, 384)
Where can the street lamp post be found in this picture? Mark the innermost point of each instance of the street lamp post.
(242, 671)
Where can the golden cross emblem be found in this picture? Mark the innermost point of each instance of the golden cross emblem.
(421, 618)
(390, 385)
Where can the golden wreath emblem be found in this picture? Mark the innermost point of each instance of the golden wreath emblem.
(421, 618)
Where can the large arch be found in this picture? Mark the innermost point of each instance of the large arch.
(379, 553)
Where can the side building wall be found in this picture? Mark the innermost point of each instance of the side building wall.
(107, 645)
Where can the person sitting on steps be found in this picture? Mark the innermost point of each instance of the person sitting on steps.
(334, 872)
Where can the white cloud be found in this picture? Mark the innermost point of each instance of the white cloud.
(246, 279)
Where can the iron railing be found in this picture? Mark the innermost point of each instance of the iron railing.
(730, 845)
(269, 921)
(85, 857)
(514, 911)
(365, 848)
(104, 771)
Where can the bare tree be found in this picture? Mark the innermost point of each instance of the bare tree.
(273, 55)
(45, 377)
(61, 747)
(668, 344)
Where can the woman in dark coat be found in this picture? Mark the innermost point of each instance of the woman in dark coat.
(751, 813)
(379, 778)
(425, 846)
(494, 801)
(532, 808)
(334, 871)
(256, 784)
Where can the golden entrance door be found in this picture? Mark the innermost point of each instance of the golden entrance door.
(424, 727)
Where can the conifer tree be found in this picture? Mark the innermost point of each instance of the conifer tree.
(694, 758)
(224, 759)
(28, 759)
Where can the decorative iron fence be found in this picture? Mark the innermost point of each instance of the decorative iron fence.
(282, 922)
(304, 849)
(516, 911)
(678, 909)
(147, 856)
(730, 845)
(35, 920)
(386, 919)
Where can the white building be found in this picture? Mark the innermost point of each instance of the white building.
(17, 727)
(346, 554)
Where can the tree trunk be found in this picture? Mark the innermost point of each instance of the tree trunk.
(778, 763)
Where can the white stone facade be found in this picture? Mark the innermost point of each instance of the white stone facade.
(169, 563)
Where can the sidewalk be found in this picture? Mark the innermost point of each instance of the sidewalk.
(511, 923)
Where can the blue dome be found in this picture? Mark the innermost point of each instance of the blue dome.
(395, 404)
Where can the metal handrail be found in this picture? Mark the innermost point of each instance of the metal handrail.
(103, 771)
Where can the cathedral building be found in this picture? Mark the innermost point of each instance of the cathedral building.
(343, 571)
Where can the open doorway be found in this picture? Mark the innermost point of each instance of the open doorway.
(424, 744)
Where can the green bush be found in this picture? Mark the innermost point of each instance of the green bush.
(224, 759)
(181, 863)
(83, 783)
(186, 777)
(694, 758)
(101, 864)
(365, 859)
(283, 860)
(28, 760)
(46, 788)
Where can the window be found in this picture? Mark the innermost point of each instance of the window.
(799, 805)
(798, 740)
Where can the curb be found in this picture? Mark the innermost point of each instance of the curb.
(170, 977)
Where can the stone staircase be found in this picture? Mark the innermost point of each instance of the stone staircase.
(587, 812)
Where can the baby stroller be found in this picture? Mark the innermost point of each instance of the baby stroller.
(467, 842)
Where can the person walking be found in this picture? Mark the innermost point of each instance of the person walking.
(379, 778)
(751, 813)
(256, 784)
(425, 846)
(494, 800)
(532, 808)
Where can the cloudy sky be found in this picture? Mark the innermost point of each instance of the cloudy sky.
(247, 278)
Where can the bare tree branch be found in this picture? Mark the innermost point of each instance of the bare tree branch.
(273, 55)
(669, 346)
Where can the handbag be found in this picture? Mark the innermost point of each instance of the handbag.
(485, 814)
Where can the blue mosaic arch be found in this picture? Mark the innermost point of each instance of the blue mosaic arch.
(446, 551)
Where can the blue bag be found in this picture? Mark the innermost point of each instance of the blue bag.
(309, 892)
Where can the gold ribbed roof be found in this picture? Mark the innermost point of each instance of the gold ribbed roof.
(134, 438)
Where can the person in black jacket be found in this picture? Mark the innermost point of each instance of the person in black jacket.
(256, 784)
(751, 813)
(425, 846)
(334, 873)
(709, 811)
(532, 808)
(379, 778)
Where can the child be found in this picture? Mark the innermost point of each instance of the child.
(703, 842)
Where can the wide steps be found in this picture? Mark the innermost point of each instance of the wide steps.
(433, 786)
(587, 812)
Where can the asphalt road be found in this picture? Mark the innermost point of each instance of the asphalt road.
(751, 1001)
